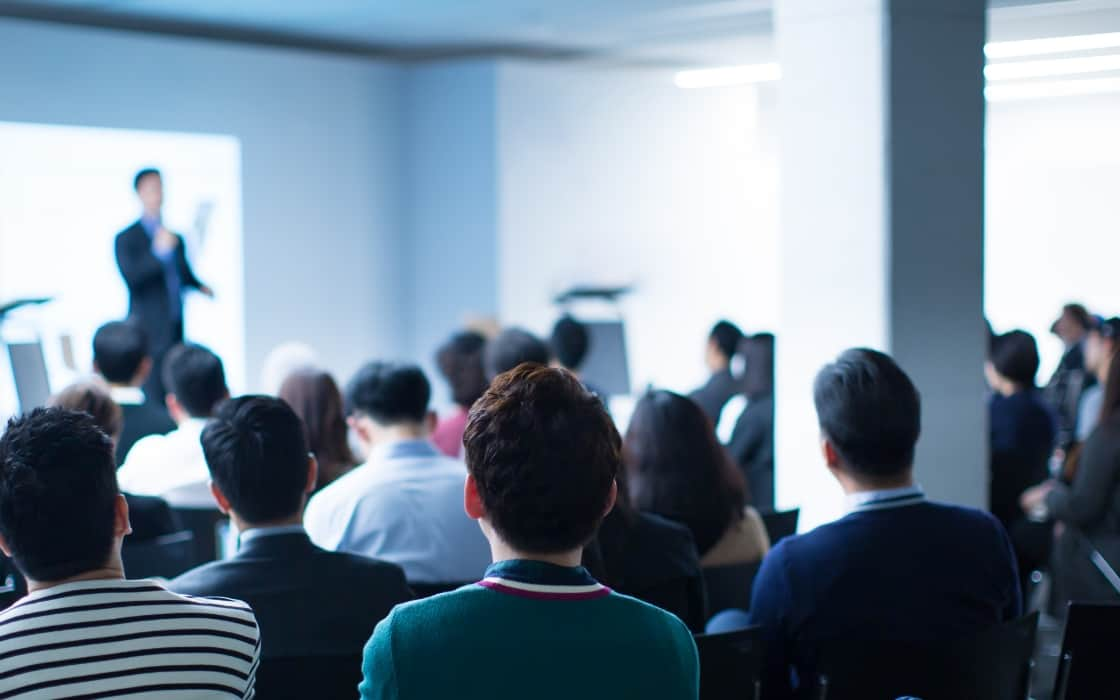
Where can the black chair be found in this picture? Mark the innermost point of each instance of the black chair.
(731, 664)
(12, 585)
(1086, 668)
(204, 524)
(427, 590)
(163, 557)
(781, 524)
(303, 677)
(994, 665)
(730, 586)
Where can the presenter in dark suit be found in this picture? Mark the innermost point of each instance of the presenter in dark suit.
(153, 263)
(308, 601)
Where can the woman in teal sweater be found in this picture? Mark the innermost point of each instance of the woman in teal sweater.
(542, 456)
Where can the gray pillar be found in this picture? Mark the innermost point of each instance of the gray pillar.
(882, 124)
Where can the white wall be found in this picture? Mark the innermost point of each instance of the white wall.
(321, 199)
(617, 176)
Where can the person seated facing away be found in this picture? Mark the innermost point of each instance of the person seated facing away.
(678, 470)
(898, 567)
(172, 465)
(120, 356)
(83, 630)
(512, 347)
(150, 516)
(1069, 381)
(1022, 433)
(308, 601)
(569, 344)
(723, 343)
(752, 440)
(317, 400)
(460, 362)
(1101, 346)
(404, 505)
(542, 455)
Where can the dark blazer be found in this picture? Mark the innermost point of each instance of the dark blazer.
(1090, 510)
(918, 572)
(308, 601)
(150, 517)
(752, 448)
(149, 304)
(715, 394)
(141, 420)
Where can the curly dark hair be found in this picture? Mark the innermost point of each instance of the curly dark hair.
(544, 455)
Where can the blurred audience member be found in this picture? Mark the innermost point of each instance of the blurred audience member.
(83, 630)
(316, 399)
(308, 601)
(150, 516)
(172, 465)
(677, 469)
(1088, 509)
(1101, 346)
(1064, 390)
(542, 454)
(282, 361)
(120, 356)
(460, 363)
(405, 504)
(898, 567)
(752, 441)
(723, 343)
(512, 347)
(1022, 433)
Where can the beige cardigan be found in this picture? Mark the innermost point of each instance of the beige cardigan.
(744, 542)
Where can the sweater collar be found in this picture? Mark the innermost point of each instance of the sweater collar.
(542, 581)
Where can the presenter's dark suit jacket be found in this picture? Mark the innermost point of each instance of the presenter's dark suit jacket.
(149, 303)
(918, 572)
(308, 601)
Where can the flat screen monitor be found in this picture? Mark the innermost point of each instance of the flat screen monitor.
(607, 368)
(29, 370)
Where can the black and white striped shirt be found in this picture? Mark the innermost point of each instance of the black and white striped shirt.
(106, 638)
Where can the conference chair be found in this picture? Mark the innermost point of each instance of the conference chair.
(731, 664)
(204, 524)
(164, 557)
(304, 677)
(994, 665)
(1087, 666)
(729, 586)
(12, 585)
(781, 524)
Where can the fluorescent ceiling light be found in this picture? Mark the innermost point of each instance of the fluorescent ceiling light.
(1057, 66)
(728, 75)
(1062, 88)
(1060, 44)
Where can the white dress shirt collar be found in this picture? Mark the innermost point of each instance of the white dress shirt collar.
(128, 395)
(885, 499)
(257, 532)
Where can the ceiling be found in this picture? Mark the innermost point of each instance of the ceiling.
(688, 31)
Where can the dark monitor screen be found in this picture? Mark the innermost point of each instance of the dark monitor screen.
(29, 370)
(606, 368)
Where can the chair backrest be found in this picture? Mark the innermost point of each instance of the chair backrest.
(781, 524)
(302, 677)
(730, 586)
(12, 585)
(164, 557)
(203, 522)
(731, 664)
(426, 590)
(995, 665)
(1088, 654)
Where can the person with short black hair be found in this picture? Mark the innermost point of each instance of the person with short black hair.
(752, 439)
(153, 262)
(308, 601)
(172, 465)
(898, 567)
(542, 455)
(83, 629)
(460, 362)
(570, 343)
(512, 347)
(120, 356)
(404, 505)
(1022, 433)
(723, 344)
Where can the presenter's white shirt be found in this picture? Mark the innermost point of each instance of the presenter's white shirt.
(405, 506)
(158, 465)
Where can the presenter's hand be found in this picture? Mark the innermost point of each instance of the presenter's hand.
(165, 241)
(206, 291)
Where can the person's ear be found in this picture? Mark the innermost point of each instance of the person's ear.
(174, 408)
(220, 499)
(4, 547)
(831, 456)
(361, 430)
(142, 371)
(121, 526)
(472, 500)
(312, 474)
(612, 498)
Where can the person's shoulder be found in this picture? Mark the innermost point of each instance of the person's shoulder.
(201, 581)
(130, 230)
(639, 615)
(366, 568)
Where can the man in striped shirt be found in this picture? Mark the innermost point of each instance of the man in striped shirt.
(83, 630)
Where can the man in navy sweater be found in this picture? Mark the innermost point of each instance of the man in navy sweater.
(898, 567)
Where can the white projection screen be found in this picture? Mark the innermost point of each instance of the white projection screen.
(66, 191)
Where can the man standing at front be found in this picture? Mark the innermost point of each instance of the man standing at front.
(153, 263)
